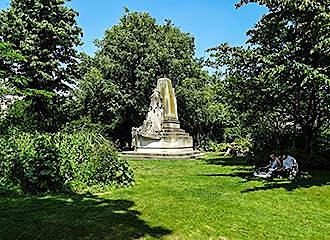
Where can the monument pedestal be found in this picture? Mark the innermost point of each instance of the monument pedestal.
(174, 144)
(171, 142)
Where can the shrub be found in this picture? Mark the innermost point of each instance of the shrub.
(85, 124)
(209, 145)
(60, 162)
(31, 162)
(89, 159)
(240, 144)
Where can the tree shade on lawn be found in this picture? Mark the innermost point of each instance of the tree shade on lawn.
(216, 198)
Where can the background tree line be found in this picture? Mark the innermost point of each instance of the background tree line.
(274, 91)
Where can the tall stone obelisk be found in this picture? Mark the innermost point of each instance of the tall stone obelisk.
(170, 112)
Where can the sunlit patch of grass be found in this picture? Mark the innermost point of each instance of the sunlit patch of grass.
(215, 198)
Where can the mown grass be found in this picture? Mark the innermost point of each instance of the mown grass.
(216, 198)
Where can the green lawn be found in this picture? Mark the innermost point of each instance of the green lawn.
(215, 198)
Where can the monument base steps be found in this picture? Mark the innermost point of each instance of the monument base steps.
(173, 155)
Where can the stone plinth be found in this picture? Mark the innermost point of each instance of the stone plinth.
(172, 139)
(183, 155)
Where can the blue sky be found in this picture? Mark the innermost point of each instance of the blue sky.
(211, 22)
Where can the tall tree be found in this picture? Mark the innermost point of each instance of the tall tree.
(46, 33)
(202, 107)
(131, 57)
(285, 71)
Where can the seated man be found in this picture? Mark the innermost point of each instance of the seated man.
(267, 171)
(289, 167)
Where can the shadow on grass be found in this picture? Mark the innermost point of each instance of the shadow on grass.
(244, 170)
(72, 217)
(314, 178)
(228, 161)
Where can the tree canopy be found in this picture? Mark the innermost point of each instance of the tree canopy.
(284, 73)
(46, 34)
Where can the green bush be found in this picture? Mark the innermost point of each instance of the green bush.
(60, 162)
(208, 145)
(89, 159)
(85, 124)
(211, 146)
(240, 144)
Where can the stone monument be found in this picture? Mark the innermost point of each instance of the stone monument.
(160, 136)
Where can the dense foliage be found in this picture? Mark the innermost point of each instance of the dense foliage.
(280, 83)
(46, 34)
(9, 74)
(202, 109)
(60, 162)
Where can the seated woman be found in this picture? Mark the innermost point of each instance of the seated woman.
(274, 162)
(267, 171)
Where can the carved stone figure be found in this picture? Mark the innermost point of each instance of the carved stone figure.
(152, 126)
(135, 131)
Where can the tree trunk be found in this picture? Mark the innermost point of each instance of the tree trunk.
(194, 135)
(308, 144)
